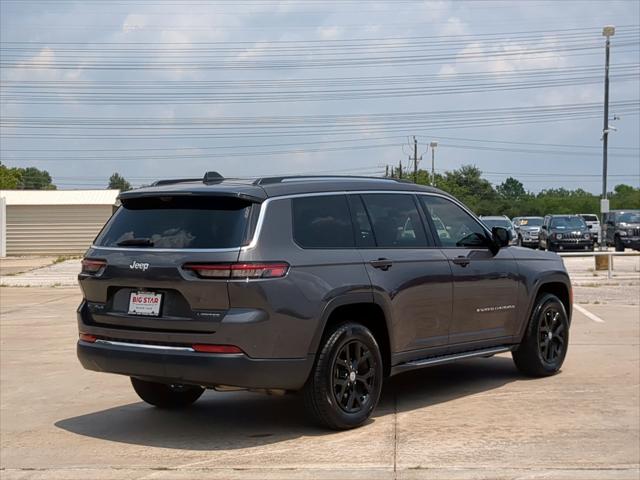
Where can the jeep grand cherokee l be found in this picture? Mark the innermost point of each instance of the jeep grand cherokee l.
(320, 285)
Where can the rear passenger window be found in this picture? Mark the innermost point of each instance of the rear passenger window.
(322, 222)
(395, 219)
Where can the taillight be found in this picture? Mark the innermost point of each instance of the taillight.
(204, 348)
(92, 266)
(238, 270)
(86, 337)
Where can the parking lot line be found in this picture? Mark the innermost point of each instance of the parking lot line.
(588, 314)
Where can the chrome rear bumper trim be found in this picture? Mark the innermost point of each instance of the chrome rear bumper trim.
(143, 345)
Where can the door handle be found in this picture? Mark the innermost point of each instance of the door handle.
(462, 261)
(382, 263)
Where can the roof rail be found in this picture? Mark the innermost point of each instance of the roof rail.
(270, 180)
(208, 179)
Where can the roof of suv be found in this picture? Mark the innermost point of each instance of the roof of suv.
(263, 188)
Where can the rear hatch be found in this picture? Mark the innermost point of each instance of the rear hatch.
(137, 274)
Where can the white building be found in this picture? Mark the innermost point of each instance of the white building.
(52, 222)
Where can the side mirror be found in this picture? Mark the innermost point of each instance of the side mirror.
(501, 237)
(543, 227)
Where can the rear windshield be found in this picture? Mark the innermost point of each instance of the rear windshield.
(590, 218)
(177, 222)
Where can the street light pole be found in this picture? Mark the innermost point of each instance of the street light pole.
(608, 31)
(433, 146)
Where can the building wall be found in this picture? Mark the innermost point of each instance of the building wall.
(53, 229)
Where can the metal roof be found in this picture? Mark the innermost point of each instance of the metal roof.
(60, 197)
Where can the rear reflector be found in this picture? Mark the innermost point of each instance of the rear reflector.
(85, 337)
(216, 348)
(90, 265)
(239, 270)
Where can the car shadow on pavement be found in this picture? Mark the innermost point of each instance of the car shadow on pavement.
(224, 421)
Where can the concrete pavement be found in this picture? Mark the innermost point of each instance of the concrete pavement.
(474, 420)
(15, 265)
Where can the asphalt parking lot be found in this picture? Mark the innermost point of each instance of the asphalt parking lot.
(476, 419)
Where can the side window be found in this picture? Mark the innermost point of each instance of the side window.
(322, 222)
(364, 232)
(396, 221)
(454, 226)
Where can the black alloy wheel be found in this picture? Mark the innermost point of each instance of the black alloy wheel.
(545, 343)
(354, 371)
(345, 383)
(552, 336)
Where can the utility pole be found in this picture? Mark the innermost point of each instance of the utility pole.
(433, 146)
(608, 31)
(415, 160)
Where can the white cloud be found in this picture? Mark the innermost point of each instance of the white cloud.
(330, 32)
(454, 26)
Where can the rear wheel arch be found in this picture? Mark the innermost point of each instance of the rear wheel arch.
(367, 313)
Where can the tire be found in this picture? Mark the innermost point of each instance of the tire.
(619, 245)
(166, 396)
(338, 395)
(519, 244)
(544, 346)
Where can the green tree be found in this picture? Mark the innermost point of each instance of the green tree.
(118, 182)
(10, 178)
(467, 184)
(510, 197)
(625, 196)
(35, 179)
(511, 189)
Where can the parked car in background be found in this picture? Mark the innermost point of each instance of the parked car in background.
(501, 221)
(593, 222)
(622, 229)
(565, 232)
(528, 230)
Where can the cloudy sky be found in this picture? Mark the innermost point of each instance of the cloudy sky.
(165, 88)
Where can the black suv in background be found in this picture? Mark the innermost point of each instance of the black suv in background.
(622, 229)
(320, 285)
(565, 232)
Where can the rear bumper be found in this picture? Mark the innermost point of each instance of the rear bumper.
(194, 368)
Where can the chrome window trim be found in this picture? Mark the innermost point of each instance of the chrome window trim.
(263, 209)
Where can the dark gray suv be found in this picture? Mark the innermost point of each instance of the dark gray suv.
(324, 285)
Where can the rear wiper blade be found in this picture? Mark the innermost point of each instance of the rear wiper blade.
(138, 242)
